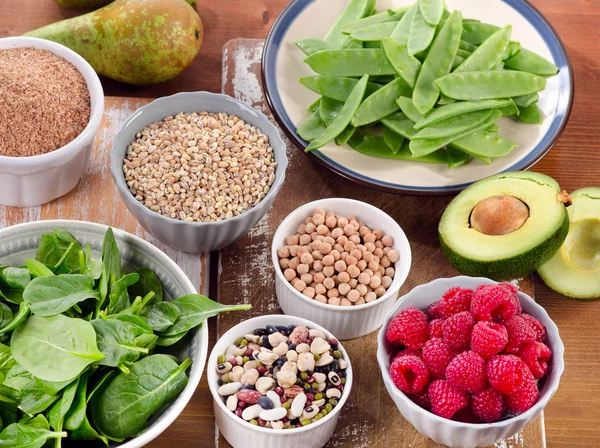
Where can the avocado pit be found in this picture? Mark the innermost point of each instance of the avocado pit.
(499, 215)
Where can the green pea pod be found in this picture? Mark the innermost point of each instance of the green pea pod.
(464, 45)
(404, 64)
(356, 10)
(455, 158)
(484, 144)
(457, 61)
(493, 128)
(531, 114)
(463, 53)
(381, 103)
(311, 127)
(408, 108)
(526, 100)
(335, 87)
(488, 54)
(451, 110)
(311, 46)
(438, 63)
(375, 146)
(402, 31)
(424, 147)
(400, 124)
(329, 109)
(432, 10)
(454, 125)
(382, 17)
(530, 62)
(374, 32)
(513, 49)
(421, 34)
(477, 33)
(314, 107)
(346, 135)
(498, 66)
(392, 139)
(344, 118)
(510, 109)
(471, 86)
(354, 62)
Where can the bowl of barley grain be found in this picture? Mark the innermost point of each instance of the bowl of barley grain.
(198, 169)
(51, 105)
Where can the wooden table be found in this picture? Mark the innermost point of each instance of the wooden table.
(572, 418)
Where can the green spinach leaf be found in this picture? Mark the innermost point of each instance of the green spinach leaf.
(147, 283)
(38, 269)
(49, 296)
(111, 257)
(32, 433)
(58, 411)
(118, 297)
(17, 319)
(52, 248)
(161, 316)
(116, 339)
(14, 278)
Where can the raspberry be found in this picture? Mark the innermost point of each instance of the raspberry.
(409, 328)
(408, 352)
(524, 398)
(537, 326)
(536, 355)
(433, 310)
(488, 405)
(409, 374)
(507, 372)
(446, 399)
(454, 301)
(494, 302)
(457, 330)
(436, 356)
(436, 328)
(422, 398)
(467, 371)
(488, 338)
(519, 333)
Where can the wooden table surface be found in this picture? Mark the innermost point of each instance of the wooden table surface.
(573, 415)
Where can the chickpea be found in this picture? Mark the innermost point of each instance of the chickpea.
(385, 262)
(336, 254)
(328, 260)
(302, 229)
(292, 240)
(300, 285)
(364, 230)
(320, 289)
(321, 298)
(364, 278)
(361, 247)
(329, 240)
(373, 265)
(370, 297)
(328, 271)
(354, 271)
(379, 245)
(325, 248)
(362, 289)
(294, 250)
(319, 277)
(351, 261)
(289, 274)
(336, 233)
(328, 214)
(354, 238)
(302, 268)
(342, 240)
(369, 238)
(340, 266)
(331, 222)
(343, 277)
(333, 292)
(319, 211)
(307, 278)
(362, 265)
(353, 295)
(317, 255)
(307, 258)
(378, 253)
(307, 220)
(294, 262)
(378, 234)
(305, 239)
(367, 257)
(344, 256)
(302, 250)
(318, 220)
(349, 246)
(335, 301)
(375, 282)
(393, 255)
(318, 266)
(390, 272)
(309, 292)
(380, 291)
(284, 263)
(386, 281)
(310, 228)
(315, 236)
(356, 253)
(338, 247)
(283, 252)
(354, 223)
(345, 302)
(353, 283)
(322, 229)
(370, 247)
(349, 230)
(344, 288)
(329, 283)
(368, 272)
(360, 301)
(387, 241)
(342, 222)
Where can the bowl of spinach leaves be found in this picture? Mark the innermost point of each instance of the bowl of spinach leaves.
(101, 336)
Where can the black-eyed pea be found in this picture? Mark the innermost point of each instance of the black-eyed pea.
(390, 272)
(328, 271)
(336, 233)
(362, 265)
(328, 260)
(305, 239)
(292, 240)
(386, 281)
(378, 234)
(302, 268)
(340, 266)
(370, 297)
(387, 241)
(334, 292)
(335, 254)
(393, 255)
(353, 270)
(343, 277)
(353, 295)
(375, 282)
(309, 292)
(322, 229)
(364, 278)
(317, 255)
(345, 302)
(289, 274)
(379, 291)
(369, 238)
(321, 298)
(284, 263)
(385, 262)
(379, 245)
(319, 220)
(349, 246)
(320, 289)
(325, 248)
(342, 221)
(349, 230)
(335, 301)
(310, 228)
(299, 285)
(362, 289)
(353, 282)
(344, 288)
(306, 258)
(294, 250)
(329, 283)
(306, 278)
(331, 222)
(373, 265)
(360, 301)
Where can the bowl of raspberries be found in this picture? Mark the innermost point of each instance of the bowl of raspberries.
(469, 361)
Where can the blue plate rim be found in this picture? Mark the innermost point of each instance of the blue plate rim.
(523, 7)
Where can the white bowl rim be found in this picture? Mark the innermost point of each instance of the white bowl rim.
(232, 332)
(192, 385)
(399, 277)
(557, 357)
(95, 90)
(119, 178)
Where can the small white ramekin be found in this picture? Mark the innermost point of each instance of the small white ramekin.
(241, 434)
(28, 181)
(344, 322)
(449, 432)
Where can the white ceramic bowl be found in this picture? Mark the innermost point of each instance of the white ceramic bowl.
(28, 181)
(20, 242)
(239, 433)
(343, 322)
(465, 435)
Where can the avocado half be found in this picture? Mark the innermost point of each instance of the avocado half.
(505, 226)
(575, 269)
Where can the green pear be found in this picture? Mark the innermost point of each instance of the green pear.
(139, 42)
(77, 4)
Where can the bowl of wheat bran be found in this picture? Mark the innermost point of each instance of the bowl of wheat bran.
(51, 105)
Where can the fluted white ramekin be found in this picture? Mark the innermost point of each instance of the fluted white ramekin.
(28, 181)
(241, 434)
(351, 321)
(449, 432)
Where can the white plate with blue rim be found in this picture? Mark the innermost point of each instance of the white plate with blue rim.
(283, 66)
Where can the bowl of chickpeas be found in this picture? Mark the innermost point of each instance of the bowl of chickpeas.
(340, 263)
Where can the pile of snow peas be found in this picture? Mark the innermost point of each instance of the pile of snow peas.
(419, 83)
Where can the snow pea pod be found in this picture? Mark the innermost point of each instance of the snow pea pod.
(346, 135)
(530, 62)
(404, 64)
(432, 10)
(454, 125)
(314, 107)
(423, 147)
(531, 114)
(344, 118)
(513, 49)
(476, 32)
(463, 53)
(510, 109)
(526, 100)
(457, 61)
(456, 158)
(493, 128)
(438, 63)
(381, 103)
(311, 127)
(498, 66)
(375, 146)
(354, 62)
(484, 144)
(421, 34)
(489, 53)
(310, 46)
(329, 109)
(356, 9)
(488, 85)
(382, 17)
(451, 110)
(408, 108)
(335, 87)
(464, 45)
(392, 139)
(400, 124)
(374, 32)
(402, 30)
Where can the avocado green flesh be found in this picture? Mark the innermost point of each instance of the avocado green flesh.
(515, 254)
(575, 270)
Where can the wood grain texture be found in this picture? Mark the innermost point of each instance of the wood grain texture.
(369, 417)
